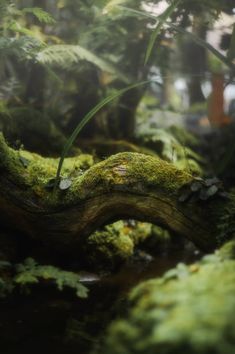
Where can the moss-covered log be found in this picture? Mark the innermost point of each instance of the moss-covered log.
(126, 185)
(190, 309)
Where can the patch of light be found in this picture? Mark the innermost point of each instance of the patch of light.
(229, 95)
(180, 84)
(229, 92)
(234, 10)
(221, 26)
(156, 9)
(206, 88)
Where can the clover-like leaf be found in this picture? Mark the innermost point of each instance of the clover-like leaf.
(211, 181)
(196, 186)
(65, 183)
(212, 190)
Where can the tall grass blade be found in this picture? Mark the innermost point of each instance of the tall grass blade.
(162, 19)
(179, 29)
(87, 118)
(204, 44)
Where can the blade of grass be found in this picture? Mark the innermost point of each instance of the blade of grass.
(162, 19)
(136, 12)
(179, 29)
(204, 44)
(86, 119)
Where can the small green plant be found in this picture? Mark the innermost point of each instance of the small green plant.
(87, 119)
(32, 273)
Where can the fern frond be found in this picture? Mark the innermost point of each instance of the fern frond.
(5, 6)
(18, 28)
(8, 89)
(66, 55)
(32, 273)
(23, 47)
(40, 14)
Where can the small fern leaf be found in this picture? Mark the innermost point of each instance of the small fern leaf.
(66, 55)
(16, 27)
(23, 47)
(40, 14)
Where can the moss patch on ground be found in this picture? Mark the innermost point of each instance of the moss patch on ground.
(190, 309)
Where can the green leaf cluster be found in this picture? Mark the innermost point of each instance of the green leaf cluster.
(32, 273)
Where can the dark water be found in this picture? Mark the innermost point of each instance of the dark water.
(48, 321)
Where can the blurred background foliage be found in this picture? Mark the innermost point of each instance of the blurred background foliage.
(60, 58)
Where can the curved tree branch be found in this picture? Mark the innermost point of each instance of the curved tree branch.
(126, 185)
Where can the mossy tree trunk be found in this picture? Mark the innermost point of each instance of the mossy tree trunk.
(126, 185)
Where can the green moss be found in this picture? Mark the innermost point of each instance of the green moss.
(130, 170)
(116, 243)
(123, 171)
(190, 309)
(171, 148)
(41, 170)
(227, 251)
(157, 172)
(34, 171)
(10, 162)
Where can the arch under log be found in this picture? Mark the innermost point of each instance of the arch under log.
(126, 185)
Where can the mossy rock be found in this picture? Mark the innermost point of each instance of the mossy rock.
(190, 309)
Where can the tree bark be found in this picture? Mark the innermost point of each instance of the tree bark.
(126, 185)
